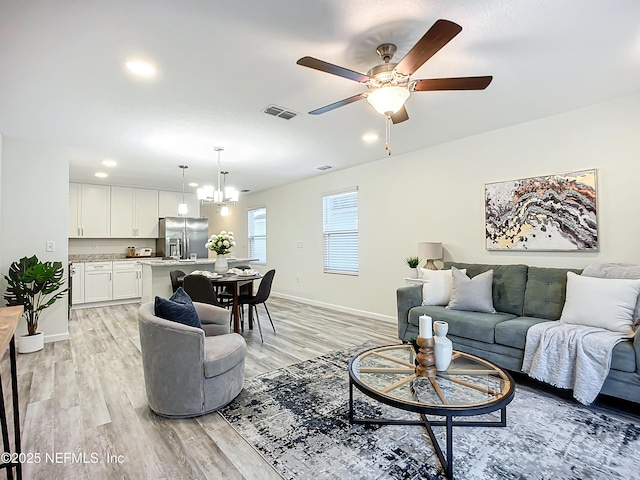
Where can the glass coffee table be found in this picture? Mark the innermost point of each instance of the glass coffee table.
(470, 386)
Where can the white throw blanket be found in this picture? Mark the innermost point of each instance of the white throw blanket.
(570, 356)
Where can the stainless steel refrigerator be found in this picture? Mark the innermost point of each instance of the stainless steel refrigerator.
(182, 236)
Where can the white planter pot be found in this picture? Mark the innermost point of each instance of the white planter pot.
(31, 343)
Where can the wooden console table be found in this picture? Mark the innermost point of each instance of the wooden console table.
(9, 318)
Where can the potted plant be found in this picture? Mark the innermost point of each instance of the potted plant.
(35, 285)
(222, 244)
(413, 263)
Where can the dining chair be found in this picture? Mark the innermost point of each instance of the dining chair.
(261, 296)
(200, 289)
(175, 274)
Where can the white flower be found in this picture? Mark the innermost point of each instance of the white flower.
(223, 232)
(226, 243)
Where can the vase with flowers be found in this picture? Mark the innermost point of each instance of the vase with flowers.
(222, 243)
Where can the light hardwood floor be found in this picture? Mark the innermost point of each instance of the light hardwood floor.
(84, 409)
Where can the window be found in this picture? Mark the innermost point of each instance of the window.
(258, 234)
(340, 232)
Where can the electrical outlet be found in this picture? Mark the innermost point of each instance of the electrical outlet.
(299, 245)
(50, 246)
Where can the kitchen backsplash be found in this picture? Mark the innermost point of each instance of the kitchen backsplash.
(101, 246)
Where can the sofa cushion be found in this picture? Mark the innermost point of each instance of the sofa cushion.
(222, 353)
(177, 308)
(601, 302)
(513, 333)
(474, 325)
(508, 284)
(545, 292)
(472, 294)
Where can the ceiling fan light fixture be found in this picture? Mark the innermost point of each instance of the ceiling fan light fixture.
(388, 100)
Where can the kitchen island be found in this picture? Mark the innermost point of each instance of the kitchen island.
(155, 273)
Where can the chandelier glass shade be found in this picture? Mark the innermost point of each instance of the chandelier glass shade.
(388, 100)
(221, 195)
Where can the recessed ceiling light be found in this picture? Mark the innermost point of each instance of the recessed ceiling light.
(101, 175)
(193, 184)
(109, 163)
(141, 68)
(370, 137)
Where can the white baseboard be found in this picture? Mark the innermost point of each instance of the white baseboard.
(56, 338)
(338, 308)
(106, 303)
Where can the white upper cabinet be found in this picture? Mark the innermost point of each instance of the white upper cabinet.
(134, 213)
(146, 213)
(89, 211)
(168, 204)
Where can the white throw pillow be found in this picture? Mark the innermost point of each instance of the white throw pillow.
(601, 302)
(436, 289)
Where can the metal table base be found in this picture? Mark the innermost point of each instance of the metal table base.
(449, 423)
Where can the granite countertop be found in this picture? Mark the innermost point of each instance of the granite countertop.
(105, 257)
(158, 262)
(153, 261)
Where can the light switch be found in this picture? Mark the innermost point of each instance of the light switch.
(51, 246)
(299, 245)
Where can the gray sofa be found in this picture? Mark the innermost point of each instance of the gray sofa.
(190, 371)
(522, 297)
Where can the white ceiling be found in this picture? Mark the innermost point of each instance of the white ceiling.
(62, 79)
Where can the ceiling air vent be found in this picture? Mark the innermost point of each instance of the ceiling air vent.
(279, 112)
(324, 167)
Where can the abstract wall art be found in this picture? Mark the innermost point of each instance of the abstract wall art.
(552, 212)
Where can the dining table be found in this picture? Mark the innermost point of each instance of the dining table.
(233, 282)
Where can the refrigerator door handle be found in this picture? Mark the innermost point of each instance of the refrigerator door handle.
(185, 244)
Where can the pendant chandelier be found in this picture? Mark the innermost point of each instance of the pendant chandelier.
(221, 195)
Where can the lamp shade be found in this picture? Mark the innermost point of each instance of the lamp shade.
(205, 193)
(388, 100)
(430, 250)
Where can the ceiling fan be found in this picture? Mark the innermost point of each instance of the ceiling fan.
(390, 84)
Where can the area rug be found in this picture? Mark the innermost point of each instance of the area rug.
(297, 418)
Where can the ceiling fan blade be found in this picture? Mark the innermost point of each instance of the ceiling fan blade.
(441, 33)
(462, 83)
(332, 69)
(400, 116)
(335, 105)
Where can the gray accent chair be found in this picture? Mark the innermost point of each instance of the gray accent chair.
(190, 371)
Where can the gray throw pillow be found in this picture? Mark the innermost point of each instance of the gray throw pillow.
(472, 294)
(178, 308)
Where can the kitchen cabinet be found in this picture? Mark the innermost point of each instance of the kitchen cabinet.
(134, 213)
(127, 280)
(89, 211)
(168, 204)
(97, 281)
(76, 271)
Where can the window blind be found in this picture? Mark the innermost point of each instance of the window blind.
(340, 232)
(258, 234)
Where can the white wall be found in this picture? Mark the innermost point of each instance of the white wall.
(437, 194)
(34, 209)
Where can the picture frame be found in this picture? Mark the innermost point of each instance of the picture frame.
(545, 213)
